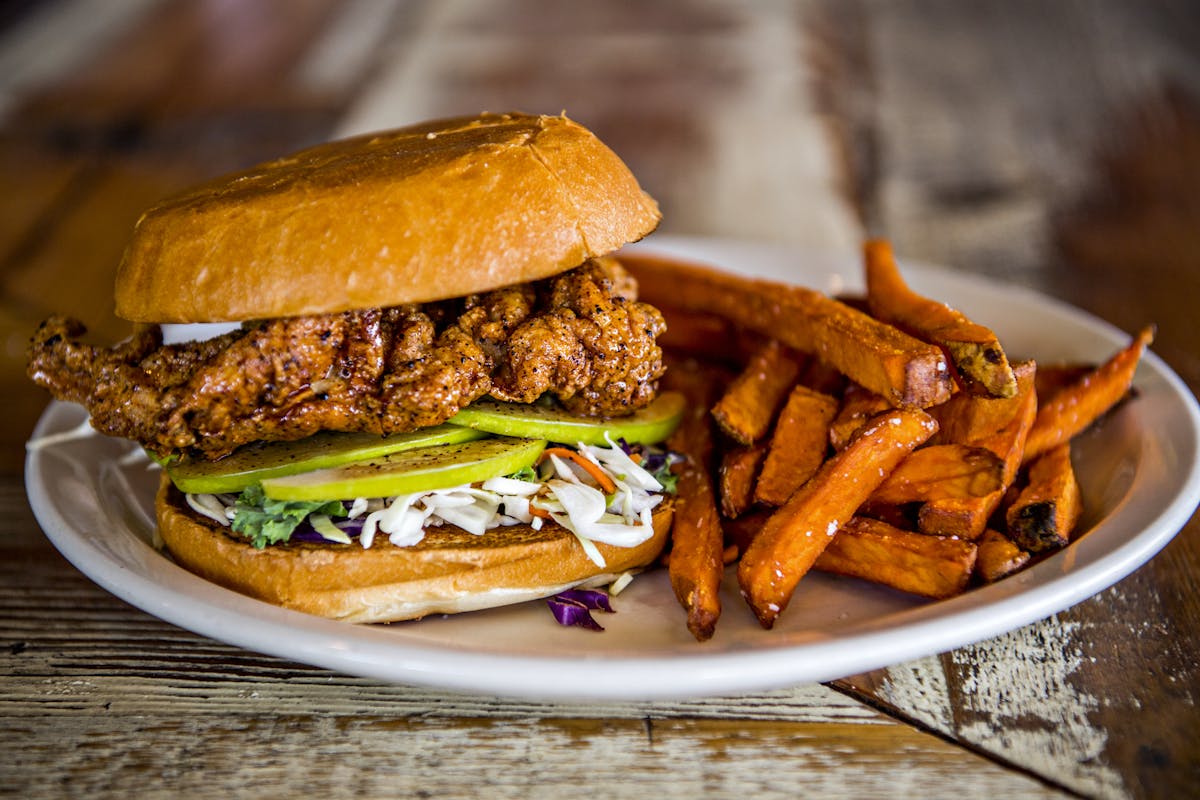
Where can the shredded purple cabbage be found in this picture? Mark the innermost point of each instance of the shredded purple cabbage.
(574, 607)
(654, 459)
(592, 599)
(305, 532)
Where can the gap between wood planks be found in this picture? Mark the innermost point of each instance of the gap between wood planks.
(844, 687)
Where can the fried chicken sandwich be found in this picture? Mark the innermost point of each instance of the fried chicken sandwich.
(437, 392)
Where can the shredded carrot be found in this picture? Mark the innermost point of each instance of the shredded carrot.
(636, 458)
(606, 484)
(538, 511)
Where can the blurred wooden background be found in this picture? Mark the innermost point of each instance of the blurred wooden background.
(1055, 145)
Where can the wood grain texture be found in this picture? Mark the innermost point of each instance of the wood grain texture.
(669, 87)
(992, 167)
(99, 699)
(1050, 145)
(435, 757)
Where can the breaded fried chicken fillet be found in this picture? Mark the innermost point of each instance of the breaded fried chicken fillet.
(581, 336)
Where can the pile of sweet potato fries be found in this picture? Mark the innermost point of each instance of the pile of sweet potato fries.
(887, 437)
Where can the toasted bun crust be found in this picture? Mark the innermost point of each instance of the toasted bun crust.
(413, 215)
(450, 571)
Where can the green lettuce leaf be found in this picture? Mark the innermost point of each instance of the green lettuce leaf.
(668, 479)
(526, 474)
(265, 521)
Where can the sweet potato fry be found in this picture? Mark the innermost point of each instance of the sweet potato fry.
(976, 419)
(738, 474)
(696, 561)
(747, 409)
(1080, 404)
(964, 517)
(821, 377)
(998, 556)
(906, 371)
(1053, 378)
(798, 445)
(701, 335)
(1044, 514)
(929, 566)
(997, 424)
(858, 406)
(941, 471)
(792, 538)
(742, 531)
(899, 516)
(974, 349)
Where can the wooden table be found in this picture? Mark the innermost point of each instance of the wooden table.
(1053, 145)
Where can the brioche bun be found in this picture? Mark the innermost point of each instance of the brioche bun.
(414, 215)
(448, 572)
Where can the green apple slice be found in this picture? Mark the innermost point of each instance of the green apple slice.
(648, 425)
(259, 462)
(411, 471)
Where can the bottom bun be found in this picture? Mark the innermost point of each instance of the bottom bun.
(448, 572)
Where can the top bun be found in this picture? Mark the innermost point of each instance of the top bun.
(414, 215)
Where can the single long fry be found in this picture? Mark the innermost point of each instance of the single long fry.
(738, 474)
(930, 566)
(794, 536)
(1044, 515)
(747, 409)
(798, 445)
(997, 424)
(906, 371)
(998, 556)
(974, 349)
(696, 562)
(941, 471)
(1077, 406)
(1053, 378)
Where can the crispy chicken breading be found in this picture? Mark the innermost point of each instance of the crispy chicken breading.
(580, 336)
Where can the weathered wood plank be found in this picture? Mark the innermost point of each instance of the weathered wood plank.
(720, 130)
(32, 182)
(39, 46)
(416, 756)
(72, 269)
(967, 130)
(980, 166)
(35, 188)
(179, 58)
(97, 698)
(158, 108)
(69, 647)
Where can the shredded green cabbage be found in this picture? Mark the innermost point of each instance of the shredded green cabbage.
(526, 474)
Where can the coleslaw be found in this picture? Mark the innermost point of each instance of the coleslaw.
(609, 499)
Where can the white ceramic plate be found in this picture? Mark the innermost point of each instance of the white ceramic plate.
(1139, 475)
